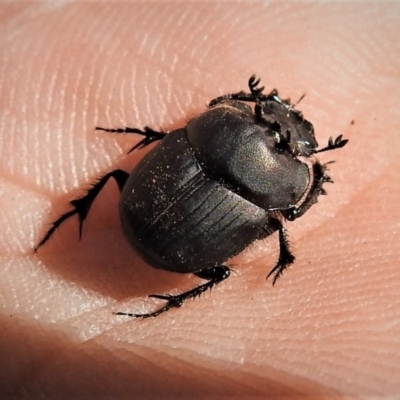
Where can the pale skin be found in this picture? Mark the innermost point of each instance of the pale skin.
(330, 326)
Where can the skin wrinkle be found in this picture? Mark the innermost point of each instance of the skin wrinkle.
(328, 329)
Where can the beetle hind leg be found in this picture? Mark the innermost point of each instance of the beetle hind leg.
(81, 206)
(213, 275)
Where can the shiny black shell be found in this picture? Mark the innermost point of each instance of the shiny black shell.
(206, 191)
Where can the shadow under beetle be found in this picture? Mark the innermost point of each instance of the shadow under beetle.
(210, 189)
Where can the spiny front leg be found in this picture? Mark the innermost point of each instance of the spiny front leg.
(254, 94)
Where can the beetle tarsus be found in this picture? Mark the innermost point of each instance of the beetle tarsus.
(285, 256)
(150, 135)
(55, 225)
(81, 206)
(334, 144)
(253, 83)
(214, 276)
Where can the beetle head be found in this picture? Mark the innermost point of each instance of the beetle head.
(293, 132)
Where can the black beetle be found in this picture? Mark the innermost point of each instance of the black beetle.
(210, 189)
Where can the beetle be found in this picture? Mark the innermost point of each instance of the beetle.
(208, 190)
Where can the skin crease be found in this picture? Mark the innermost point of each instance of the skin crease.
(330, 326)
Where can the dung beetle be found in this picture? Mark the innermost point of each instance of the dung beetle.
(210, 189)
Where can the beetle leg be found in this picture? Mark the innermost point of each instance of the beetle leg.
(250, 97)
(255, 96)
(149, 134)
(81, 206)
(334, 144)
(253, 83)
(214, 275)
(285, 256)
(239, 105)
(240, 96)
